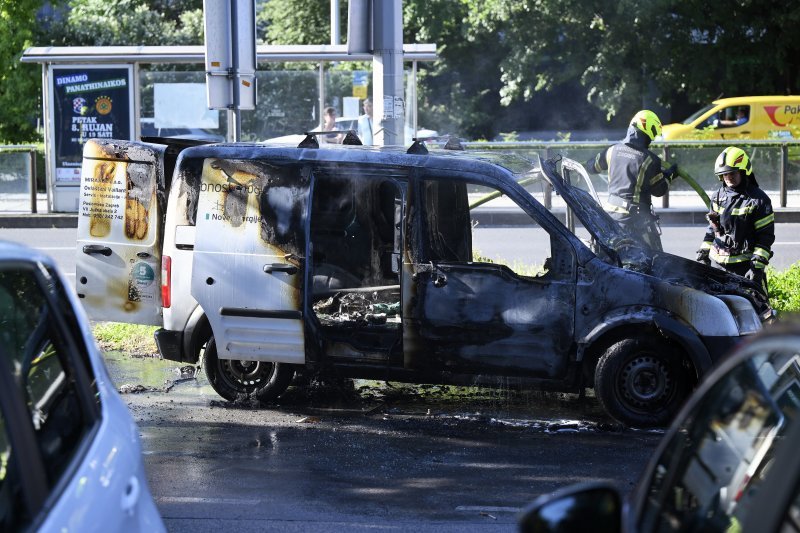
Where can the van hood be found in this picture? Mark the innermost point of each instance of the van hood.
(615, 245)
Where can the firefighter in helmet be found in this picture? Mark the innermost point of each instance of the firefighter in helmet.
(741, 221)
(634, 176)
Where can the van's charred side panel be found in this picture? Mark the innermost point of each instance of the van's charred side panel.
(248, 259)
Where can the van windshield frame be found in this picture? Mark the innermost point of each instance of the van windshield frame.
(698, 114)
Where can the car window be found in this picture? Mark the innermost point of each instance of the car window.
(67, 313)
(452, 232)
(37, 351)
(714, 465)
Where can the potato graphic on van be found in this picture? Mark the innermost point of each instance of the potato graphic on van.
(103, 182)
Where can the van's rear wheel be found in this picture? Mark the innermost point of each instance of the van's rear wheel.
(232, 378)
(641, 381)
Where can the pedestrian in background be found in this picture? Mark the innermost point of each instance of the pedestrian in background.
(329, 124)
(634, 176)
(741, 226)
(365, 130)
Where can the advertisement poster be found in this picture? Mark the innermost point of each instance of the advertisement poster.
(88, 103)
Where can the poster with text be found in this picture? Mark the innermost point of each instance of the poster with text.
(88, 103)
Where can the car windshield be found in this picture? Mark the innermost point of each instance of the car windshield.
(571, 182)
(697, 114)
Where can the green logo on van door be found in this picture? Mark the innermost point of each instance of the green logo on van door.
(143, 274)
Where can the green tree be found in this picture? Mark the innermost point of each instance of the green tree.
(126, 22)
(295, 21)
(639, 52)
(19, 83)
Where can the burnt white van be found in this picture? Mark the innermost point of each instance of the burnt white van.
(362, 262)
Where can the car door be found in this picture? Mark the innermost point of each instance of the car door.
(118, 266)
(68, 460)
(249, 258)
(469, 312)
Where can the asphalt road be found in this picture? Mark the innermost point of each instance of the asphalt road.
(387, 459)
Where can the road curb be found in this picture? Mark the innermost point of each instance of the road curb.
(44, 220)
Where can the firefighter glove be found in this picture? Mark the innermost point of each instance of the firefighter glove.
(670, 173)
(756, 272)
(713, 221)
(702, 256)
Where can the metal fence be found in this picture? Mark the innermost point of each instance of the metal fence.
(18, 178)
(776, 165)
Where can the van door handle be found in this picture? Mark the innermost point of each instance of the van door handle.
(90, 249)
(280, 267)
(745, 132)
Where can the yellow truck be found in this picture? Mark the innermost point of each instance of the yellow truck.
(744, 117)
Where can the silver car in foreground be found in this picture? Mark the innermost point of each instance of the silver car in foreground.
(70, 455)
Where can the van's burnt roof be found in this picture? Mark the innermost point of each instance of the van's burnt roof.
(497, 165)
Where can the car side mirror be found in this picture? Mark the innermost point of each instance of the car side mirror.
(595, 507)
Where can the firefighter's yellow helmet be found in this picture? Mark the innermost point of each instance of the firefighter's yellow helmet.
(648, 122)
(731, 159)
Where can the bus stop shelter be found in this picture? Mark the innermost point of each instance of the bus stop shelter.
(105, 92)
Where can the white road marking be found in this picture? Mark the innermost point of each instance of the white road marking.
(488, 509)
(214, 501)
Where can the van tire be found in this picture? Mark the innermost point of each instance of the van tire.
(640, 381)
(234, 378)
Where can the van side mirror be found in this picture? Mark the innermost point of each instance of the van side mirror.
(594, 507)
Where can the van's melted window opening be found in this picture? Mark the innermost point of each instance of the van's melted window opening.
(531, 256)
(356, 250)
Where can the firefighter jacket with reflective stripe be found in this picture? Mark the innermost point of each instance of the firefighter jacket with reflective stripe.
(746, 226)
(634, 173)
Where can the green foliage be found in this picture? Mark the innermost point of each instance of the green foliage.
(784, 289)
(505, 65)
(19, 83)
(78, 23)
(296, 21)
(126, 22)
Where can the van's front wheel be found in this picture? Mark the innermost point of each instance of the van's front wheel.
(231, 378)
(641, 382)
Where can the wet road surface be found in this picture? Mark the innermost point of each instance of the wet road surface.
(340, 457)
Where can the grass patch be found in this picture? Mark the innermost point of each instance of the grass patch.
(133, 339)
(784, 289)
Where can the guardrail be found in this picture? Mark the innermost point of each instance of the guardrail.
(776, 164)
(18, 172)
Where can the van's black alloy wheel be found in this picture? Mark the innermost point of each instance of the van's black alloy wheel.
(232, 378)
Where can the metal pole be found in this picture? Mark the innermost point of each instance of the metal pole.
(234, 75)
(335, 37)
(784, 164)
(415, 101)
(387, 61)
(548, 189)
(321, 84)
(33, 180)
